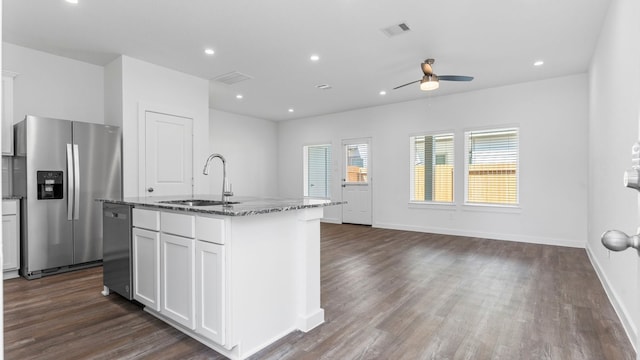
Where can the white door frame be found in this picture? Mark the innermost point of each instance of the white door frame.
(343, 162)
(143, 108)
(637, 320)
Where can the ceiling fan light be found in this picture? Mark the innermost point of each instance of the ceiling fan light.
(429, 82)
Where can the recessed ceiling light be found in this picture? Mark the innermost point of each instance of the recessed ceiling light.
(538, 63)
(209, 51)
(239, 96)
(72, 1)
(323, 86)
(290, 110)
(314, 57)
(382, 92)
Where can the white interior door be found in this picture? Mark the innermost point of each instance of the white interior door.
(168, 155)
(356, 181)
(617, 240)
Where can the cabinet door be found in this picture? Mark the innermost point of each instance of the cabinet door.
(210, 291)
(178, 279)
(146, 267)
(10, 242)
(7, 113)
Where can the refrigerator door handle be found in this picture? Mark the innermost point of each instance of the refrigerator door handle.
(76, 185)
(70, 179)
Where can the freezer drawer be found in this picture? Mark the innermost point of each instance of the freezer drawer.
(117, 248)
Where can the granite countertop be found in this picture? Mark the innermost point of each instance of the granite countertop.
(246, 205)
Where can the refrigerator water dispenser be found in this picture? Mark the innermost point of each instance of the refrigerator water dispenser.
(50, 185)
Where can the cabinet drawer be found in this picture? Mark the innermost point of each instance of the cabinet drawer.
(178, 224)
(210, 230)
(9, 207)
(146, 219)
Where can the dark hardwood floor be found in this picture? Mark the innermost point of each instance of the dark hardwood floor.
(387, 295)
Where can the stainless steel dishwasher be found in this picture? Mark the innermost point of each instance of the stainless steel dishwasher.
(116, 249)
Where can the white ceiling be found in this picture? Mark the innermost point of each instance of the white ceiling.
(496, 41)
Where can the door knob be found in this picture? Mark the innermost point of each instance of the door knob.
(617, 240)
(150, 189)
(632, 178)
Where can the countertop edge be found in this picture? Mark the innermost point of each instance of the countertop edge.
(218, 210)
(12, 197)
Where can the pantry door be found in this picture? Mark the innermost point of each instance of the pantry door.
(356, 181)
(168, 155)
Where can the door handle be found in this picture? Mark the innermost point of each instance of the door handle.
(70, 181)
(150, 189)
(617, 240)
(76, 185)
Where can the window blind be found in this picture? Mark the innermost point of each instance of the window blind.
(318, 171)
(492, 166)
(432, 162)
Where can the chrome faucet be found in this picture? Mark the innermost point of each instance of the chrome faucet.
(226, 187)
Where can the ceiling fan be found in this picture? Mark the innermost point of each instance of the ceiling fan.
(431, 81)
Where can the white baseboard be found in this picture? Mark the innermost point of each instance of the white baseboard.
(331, 221)
(486, 235)
(311, 321)
(620, 309)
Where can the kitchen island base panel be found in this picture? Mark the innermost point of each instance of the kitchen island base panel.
(274, 276)
(310, 313)
(237, 352)
(271, 281)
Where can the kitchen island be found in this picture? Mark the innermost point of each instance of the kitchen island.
(235, 277)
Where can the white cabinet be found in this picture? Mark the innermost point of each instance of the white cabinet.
(7, 112)
(210, 291)
(179, 270)
(11, 238)
(146, 257)
(146, 267)
(178, 224)
(210, 229)
(178, 280)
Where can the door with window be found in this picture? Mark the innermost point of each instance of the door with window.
(356, 181)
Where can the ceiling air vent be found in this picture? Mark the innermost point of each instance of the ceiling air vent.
(395, 30)
(232, 78)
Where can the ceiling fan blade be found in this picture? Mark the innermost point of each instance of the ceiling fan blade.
(455, 78)
(413, 82)
(426, 68)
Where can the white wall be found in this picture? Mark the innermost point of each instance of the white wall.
(552, 116)
(54, 86)
(113, 96)
(250, 147)
(613, 127)
(164, 90)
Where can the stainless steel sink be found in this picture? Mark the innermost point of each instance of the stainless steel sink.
(194, 202)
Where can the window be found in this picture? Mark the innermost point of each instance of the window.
(317, 171)
(492, 166)
(432, 168)
(357, 163)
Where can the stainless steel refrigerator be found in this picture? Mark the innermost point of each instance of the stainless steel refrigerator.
(60, 167)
